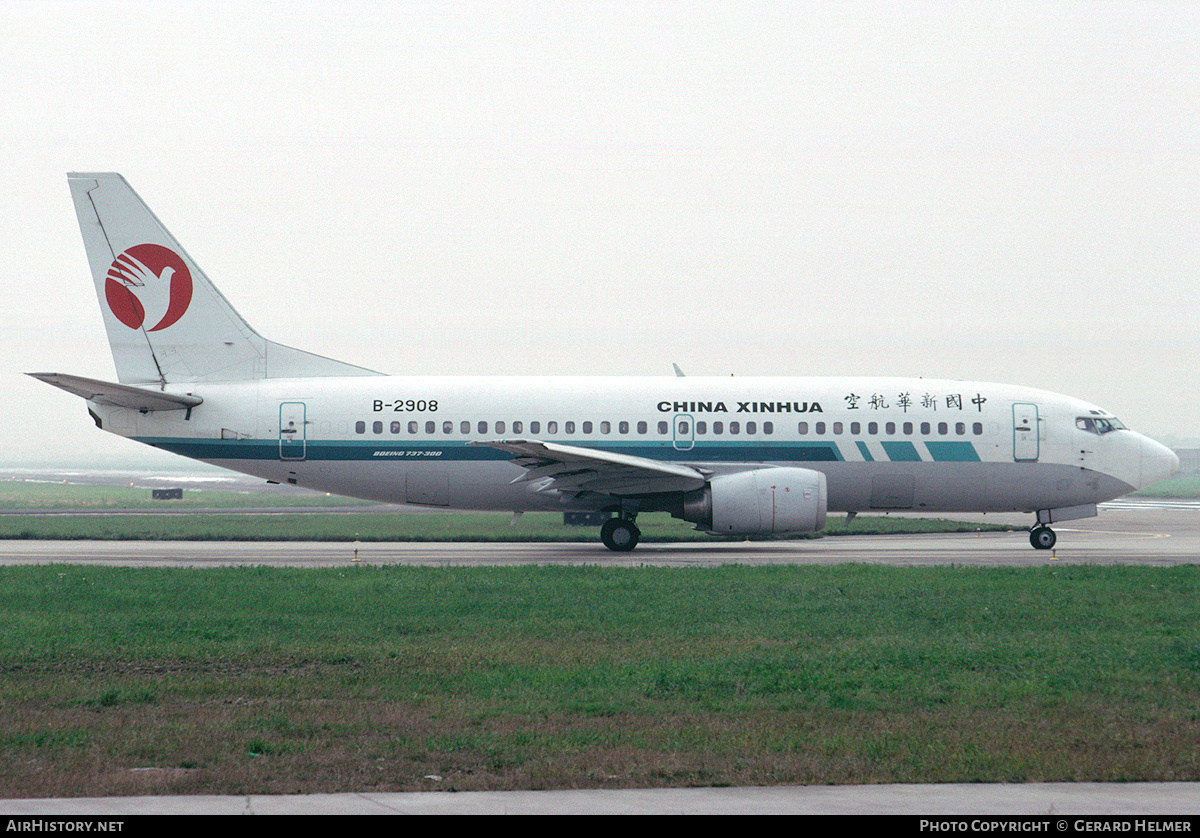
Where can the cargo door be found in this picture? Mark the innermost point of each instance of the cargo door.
(892, 491)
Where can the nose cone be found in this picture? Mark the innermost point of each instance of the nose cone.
(1158, 462)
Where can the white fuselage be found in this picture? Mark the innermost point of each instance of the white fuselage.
(882, 443)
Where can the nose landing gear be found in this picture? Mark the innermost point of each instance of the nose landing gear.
(1042, 537)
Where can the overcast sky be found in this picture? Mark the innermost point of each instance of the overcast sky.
(999, 191)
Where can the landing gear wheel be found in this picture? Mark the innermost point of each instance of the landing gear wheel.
(1042, 538)
(620, 535)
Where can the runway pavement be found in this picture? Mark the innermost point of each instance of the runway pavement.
(1147, 532)
(1061, 804)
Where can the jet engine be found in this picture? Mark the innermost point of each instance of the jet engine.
(761, 502)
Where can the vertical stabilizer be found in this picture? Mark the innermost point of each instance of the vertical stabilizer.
(166, 321)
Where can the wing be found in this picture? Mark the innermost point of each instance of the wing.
(570, 468)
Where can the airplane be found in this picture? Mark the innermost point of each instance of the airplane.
(731, 455)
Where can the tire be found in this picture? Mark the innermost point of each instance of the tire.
(1042, 538)
(620, 535)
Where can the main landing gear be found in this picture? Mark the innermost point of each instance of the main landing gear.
(620, 534)
(1042, 537)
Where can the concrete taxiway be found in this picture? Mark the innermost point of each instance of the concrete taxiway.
(1060, 803)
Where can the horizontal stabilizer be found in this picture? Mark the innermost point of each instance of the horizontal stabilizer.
(117, 395)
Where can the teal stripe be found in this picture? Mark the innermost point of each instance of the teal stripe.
(741, 451)
(901, 452)
(377, 449)
(953, 452)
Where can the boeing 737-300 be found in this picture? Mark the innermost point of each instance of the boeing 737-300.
(732, 455)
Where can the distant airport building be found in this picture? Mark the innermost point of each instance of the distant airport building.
(166, 494)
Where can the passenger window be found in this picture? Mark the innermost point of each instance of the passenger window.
(663, 428)
(943, 428)
(872, 428)
(856, 428)
(960, 428)
(683, 428)
(500, 427)
(908, 428)
(518, 426)
(430, 427)
(447, 427)
(837, 427)
(768, 427)
(360, 427)
(569, 427)
(605, 428)
(412, 427)
(587, 427)
(465, 427)
(802, 428)
(925, 426)
(735, 427)
(535, 427)
(701, 427)
(820, 429)
(718, 427)
(551, 427)
(482, 427)
(642, 427)
(622, 427)
(890, 428)
(395, 427)
(751, 427)
(977, 429)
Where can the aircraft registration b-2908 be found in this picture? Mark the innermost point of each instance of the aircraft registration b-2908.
(734, 456)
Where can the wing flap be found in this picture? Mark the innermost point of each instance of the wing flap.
(552, 466)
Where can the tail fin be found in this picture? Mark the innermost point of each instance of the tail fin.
(166, 321)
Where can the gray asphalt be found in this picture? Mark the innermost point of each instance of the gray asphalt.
(1141, 532)
(1062, 803)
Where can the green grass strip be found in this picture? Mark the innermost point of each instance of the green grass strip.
(389, 526)
(273, 680)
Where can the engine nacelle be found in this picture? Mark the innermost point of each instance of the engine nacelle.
(765, 501)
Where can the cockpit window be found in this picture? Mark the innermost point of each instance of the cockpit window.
(1099, 426)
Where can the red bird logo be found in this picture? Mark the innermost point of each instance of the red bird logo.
(161, 273)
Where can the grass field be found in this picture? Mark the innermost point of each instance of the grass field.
(262, 680)
(33, 495)
(87, 502)
(79, 514)
(1183, 486)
